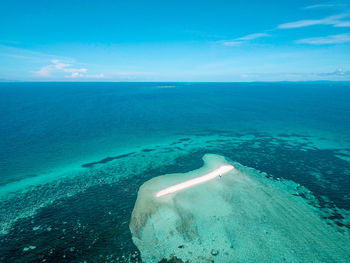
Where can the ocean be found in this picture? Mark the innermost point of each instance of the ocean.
(73, 155)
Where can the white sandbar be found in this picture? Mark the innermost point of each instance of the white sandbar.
(198, 180)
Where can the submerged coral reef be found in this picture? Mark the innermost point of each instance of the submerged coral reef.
(243, 215)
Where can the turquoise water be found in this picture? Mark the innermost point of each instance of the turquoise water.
(74, 154)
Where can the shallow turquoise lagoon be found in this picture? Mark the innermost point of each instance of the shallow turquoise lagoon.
(73, 156)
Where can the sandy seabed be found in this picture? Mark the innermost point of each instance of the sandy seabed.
(242, 216)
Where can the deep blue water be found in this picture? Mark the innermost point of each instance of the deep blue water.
(45, 125)
(299, 131)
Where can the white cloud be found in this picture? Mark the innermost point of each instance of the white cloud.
(331, 39)
(75, 75)
(74, 70)
(58, 68)
(44, 72)
(253, 36)
(330, 20)
(241, 40)
(59, 65)
(230, 43)
(322, 6)
(343, 24)
(338, 72)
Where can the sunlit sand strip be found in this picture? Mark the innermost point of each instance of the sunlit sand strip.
(198, 180)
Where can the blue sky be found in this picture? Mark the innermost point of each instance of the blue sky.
(165, 40)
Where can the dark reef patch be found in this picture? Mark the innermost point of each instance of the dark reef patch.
(147, 150)
(106, 160)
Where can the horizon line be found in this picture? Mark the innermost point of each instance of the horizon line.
(255, 81)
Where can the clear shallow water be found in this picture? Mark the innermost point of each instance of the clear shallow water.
(71, 152)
